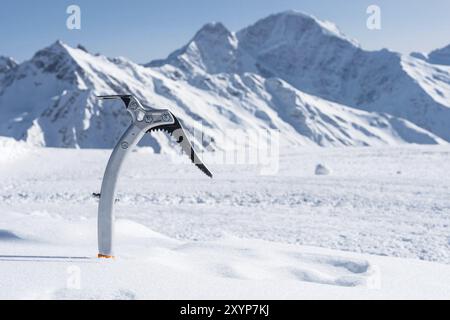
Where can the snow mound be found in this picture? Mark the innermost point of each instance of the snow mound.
(143, 256)
(256, 260)
(322, 170)
(180, 236)
(127, 228)
(11, 150)
(149, 267)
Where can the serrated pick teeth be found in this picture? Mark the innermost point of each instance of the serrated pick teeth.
(192, 155)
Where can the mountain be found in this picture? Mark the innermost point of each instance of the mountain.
(289, 71)
(316, 58)
(438, 56)
(213, 49)
(6, 64)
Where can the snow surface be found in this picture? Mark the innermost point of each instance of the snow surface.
(240, 235)
(11, 150)
(375, 226)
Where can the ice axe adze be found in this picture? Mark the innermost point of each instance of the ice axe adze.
(144, 120)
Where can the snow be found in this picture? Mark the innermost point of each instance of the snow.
(6, 64)
(11, 149)
(435, 80)
(353, 222)
(155, 267)
(289, 72)
(75, 118)
(358, 233)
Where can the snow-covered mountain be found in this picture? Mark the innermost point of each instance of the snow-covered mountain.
(6, 64)
(438, 56)
(316, 58)
(289, 71)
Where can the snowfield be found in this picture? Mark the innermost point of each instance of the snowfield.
(375, 226)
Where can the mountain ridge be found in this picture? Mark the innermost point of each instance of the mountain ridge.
(315, 85)
(439, 56)
(323, 62)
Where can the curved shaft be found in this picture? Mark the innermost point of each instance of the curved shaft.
(107, 196)
(144, 119)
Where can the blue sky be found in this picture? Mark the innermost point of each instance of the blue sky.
(143, 30)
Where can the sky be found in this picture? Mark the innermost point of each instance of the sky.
(143, 30)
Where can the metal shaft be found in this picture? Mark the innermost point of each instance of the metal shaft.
(144, 119)
(108, 192)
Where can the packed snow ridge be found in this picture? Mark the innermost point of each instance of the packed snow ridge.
(289, 72)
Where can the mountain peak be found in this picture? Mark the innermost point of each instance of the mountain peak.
(214, 34)
(212, 49)
(57, 47)
(7, 63)
(440, 56)
(293, 13)
(57, 59)
(291, 26)
(212, 29)
(287, 35)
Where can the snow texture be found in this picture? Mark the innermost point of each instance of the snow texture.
(240, 236)
(335, 223)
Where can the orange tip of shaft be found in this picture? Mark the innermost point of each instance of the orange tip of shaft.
(104, 256)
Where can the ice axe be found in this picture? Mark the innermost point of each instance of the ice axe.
(144, 120)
